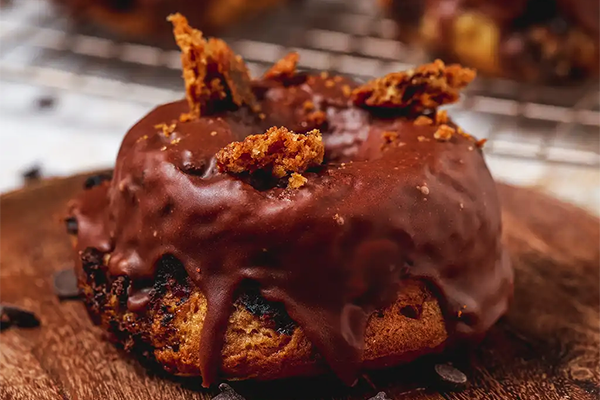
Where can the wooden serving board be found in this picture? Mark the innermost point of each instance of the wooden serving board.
(546, 348)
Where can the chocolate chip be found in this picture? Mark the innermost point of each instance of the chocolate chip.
(71, 224)
(12, 315)
(380, 396)
(45, 102)
(32, 174)
(96, 180)
(65, 284)
(450, 376)
(227, 393)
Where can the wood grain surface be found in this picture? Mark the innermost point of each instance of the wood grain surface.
(546, 348)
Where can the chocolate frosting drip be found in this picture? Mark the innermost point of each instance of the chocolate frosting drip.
(332, 251)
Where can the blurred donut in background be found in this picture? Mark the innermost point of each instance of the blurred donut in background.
(543, 41)
(146, 19)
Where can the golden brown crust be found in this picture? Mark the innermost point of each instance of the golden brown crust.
(278, 151)
(423, 88)
(169, 333)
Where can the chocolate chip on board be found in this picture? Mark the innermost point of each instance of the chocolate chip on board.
(95, 180)
(32, 174)
(227, 393)
(450, 376)
(65, 284)
(71, 225)
(13, 315)
(380, 396)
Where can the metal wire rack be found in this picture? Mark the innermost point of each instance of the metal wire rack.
(554, 125)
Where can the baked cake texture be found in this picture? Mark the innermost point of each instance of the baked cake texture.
(293, 224)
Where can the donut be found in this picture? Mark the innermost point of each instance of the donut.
(549, 42)
(145, 19)
(295, 224)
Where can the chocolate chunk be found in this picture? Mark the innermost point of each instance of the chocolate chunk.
(13, 315)
(450, 376)
(380, 396)
(227, 393)
(272, 311)
(32, 174)
(71, 224)
(45, 102)
(65, 284)
(96, 180)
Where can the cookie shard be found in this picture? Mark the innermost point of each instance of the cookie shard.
(214, 76)
(417, 90)
(278, 151)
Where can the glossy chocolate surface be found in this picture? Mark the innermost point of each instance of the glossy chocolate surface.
(332, 251)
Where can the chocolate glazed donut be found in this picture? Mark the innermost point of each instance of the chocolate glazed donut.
(145, 19)
(326, 197)
(554, 41)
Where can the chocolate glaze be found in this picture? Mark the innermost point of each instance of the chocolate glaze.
(331, 252)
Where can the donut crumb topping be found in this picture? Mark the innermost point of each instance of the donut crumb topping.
(414, 91)
(213, 74)
(284, 69)
(278, 151)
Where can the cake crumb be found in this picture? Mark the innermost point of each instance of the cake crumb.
(441, 117)
(175, 141)
(389, 136)
(422, 139)
(278, 151)
(284, 69)
(211, 71)
(296, 181)
(213, 133)
(317, 118)
(308, 105)
(339, 219)
(167, 130)
(423, 120)
(424, 189)
(346, 90)
(424, 88)
(329, 83)
(444, 133)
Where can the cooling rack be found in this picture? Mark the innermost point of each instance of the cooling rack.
(41, 48)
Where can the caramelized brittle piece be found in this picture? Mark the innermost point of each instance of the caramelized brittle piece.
(296, 181)
(211, 71)
(278, 151)
(283, 69)
(444, 133)
(423, 120)
(423, 88)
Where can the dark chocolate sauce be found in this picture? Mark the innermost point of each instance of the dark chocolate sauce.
(331, 252)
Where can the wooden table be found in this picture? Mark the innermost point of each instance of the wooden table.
(546, 348)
